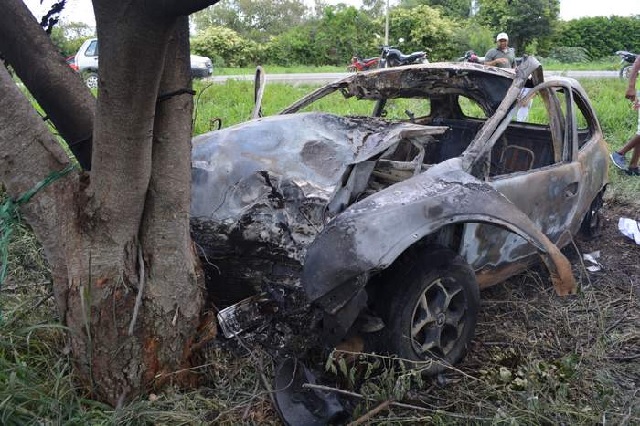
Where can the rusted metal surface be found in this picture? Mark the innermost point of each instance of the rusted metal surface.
(326, 203)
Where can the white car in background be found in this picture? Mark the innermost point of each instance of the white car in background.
(87, 62)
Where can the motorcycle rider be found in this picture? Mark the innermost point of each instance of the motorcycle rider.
(502, 55)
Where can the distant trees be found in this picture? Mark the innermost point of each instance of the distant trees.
(288, 32)
(601, 36)
(257, 20)
(529, 23)
(453, 8)
(69, 36)
(225, 47)
(424, 28)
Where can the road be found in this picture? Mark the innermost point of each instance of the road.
(324, 78)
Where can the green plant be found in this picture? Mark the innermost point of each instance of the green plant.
(569, 54)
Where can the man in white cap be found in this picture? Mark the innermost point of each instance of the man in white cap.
(502, 55)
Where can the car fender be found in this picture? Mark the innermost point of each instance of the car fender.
(371, 234)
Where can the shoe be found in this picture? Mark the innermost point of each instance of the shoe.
(618, 160)
(633, 171)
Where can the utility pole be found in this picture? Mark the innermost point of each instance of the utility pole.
(386, 26)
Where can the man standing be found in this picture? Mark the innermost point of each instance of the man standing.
(502, 55)
(618, 157)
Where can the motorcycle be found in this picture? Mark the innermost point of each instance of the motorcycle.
(359, 64)
(391, 56)
(626, 62)
(470, 56)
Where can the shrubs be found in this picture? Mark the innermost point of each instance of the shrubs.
(569, 54)
(225, 47)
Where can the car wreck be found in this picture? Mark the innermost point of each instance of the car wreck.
(390, 226)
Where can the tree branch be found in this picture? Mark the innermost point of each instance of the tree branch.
(57, 88)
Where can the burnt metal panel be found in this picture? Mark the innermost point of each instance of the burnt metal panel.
(372, 233)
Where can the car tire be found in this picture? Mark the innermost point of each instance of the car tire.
(91, 80)
(432, 311)
(591, 226)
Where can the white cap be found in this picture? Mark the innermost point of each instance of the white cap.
(502, 36)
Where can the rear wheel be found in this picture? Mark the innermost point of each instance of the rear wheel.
(433, 310)
(91, 80)
(591, 226)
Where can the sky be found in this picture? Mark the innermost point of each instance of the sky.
(81, 10)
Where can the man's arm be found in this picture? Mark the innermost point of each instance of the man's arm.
(490, 58)
(631, 90)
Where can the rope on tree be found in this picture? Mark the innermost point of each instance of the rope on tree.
(9, 214)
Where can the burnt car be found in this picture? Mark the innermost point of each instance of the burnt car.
(390, 224)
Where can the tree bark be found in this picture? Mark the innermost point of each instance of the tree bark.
(58, 89)
(126, 277)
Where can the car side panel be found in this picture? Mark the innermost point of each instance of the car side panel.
(371, 234)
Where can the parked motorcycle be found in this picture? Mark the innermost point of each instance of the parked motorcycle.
(391, 56)
(626, 62)
(470, 56)
(359, 64)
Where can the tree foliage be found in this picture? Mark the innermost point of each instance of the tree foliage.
(601, 36)
(225, 47)
(453, 8)
(69, 37)
(342, 31)
(424, 28)
(255, 20)
(528, 22)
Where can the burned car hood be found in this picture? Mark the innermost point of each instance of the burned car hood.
(278, 180)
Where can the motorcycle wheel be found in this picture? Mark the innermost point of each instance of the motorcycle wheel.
(625, 71)
(351, 68)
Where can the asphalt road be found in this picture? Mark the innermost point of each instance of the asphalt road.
(324, 78)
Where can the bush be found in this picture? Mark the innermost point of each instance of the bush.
(601, 36)
(225, 47)
(569, 54)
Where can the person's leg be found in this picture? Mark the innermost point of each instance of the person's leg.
(633, 164)
(618, 157)
(631, 144)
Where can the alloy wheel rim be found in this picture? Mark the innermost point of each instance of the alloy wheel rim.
(438, 318)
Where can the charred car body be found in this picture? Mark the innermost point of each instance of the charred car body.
(393, 225)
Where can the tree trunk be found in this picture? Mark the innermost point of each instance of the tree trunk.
(125, 274)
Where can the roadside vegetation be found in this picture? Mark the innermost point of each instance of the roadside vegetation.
(537, 358)
(289, 36)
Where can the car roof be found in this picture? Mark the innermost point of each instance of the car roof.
(486, 85)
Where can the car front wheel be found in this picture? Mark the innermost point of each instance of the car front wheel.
(433, 310)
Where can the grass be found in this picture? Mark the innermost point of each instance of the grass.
(538, 359)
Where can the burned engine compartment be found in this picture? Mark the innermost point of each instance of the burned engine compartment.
(257, 207)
